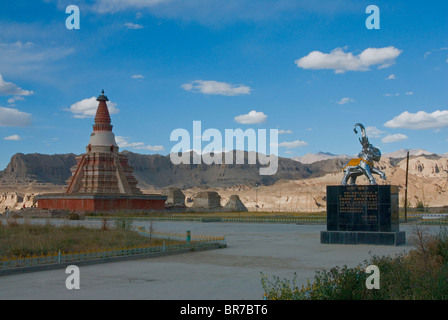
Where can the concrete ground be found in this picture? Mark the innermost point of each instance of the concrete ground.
(232, 273)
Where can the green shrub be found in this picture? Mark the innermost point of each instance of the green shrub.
(74, 216)
(124, 224)
(419, 274)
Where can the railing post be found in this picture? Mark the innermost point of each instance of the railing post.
(188, 238)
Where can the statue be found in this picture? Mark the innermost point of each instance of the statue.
(363, 165)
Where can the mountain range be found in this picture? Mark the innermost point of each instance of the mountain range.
(157, 171)
(402, 153)
(314, 157)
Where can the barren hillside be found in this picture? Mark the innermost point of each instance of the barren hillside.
(297, 187)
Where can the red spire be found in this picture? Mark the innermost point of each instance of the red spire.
(102, 118)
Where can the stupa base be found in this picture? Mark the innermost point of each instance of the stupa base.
(101, 202)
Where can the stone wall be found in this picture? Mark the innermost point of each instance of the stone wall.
(16, 201)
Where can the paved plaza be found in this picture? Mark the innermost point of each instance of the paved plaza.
(228, 274)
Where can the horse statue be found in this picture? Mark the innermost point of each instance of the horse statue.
(363, 165)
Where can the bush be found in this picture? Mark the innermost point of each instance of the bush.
(124, 224)
(104, 224)
(420, 274)
(74, 216)
(420, 205)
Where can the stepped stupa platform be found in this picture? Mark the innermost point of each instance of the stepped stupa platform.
(102, 180)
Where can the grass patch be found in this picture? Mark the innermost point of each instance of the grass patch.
(29, 239)
(250, 214)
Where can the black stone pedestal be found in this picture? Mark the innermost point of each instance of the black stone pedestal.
(363, 215)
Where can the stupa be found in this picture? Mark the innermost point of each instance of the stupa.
(102, 179)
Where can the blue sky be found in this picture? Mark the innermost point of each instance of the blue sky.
(310, 69)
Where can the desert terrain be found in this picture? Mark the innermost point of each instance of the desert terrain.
(428, 183)
(427, 187)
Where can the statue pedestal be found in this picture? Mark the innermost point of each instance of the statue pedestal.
(363, 215)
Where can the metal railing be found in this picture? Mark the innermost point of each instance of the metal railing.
(276, 219)
(228, 219)
(434, 221)
(181, 237)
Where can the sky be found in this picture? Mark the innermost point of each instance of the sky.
(310, 69)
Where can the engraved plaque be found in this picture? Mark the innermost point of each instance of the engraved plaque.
(362, 208)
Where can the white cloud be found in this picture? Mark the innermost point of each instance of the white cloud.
(112, 6)
(420, 120)
(223, 11)
(137, 76)
(17, 44)
(373, 132)
(14, 137)
(11, 89)
(253, 117)
(284, 131)
(409, 93)
(12, 100)
(10, 117)
(293, 144)
(341, 61)
(86, 108)
(123, 142)
(435, 50)
(345, 100)
(394, 138)
(215, 87)
(391, 77)
(23, 58)
(391, 94)
(133, 26)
